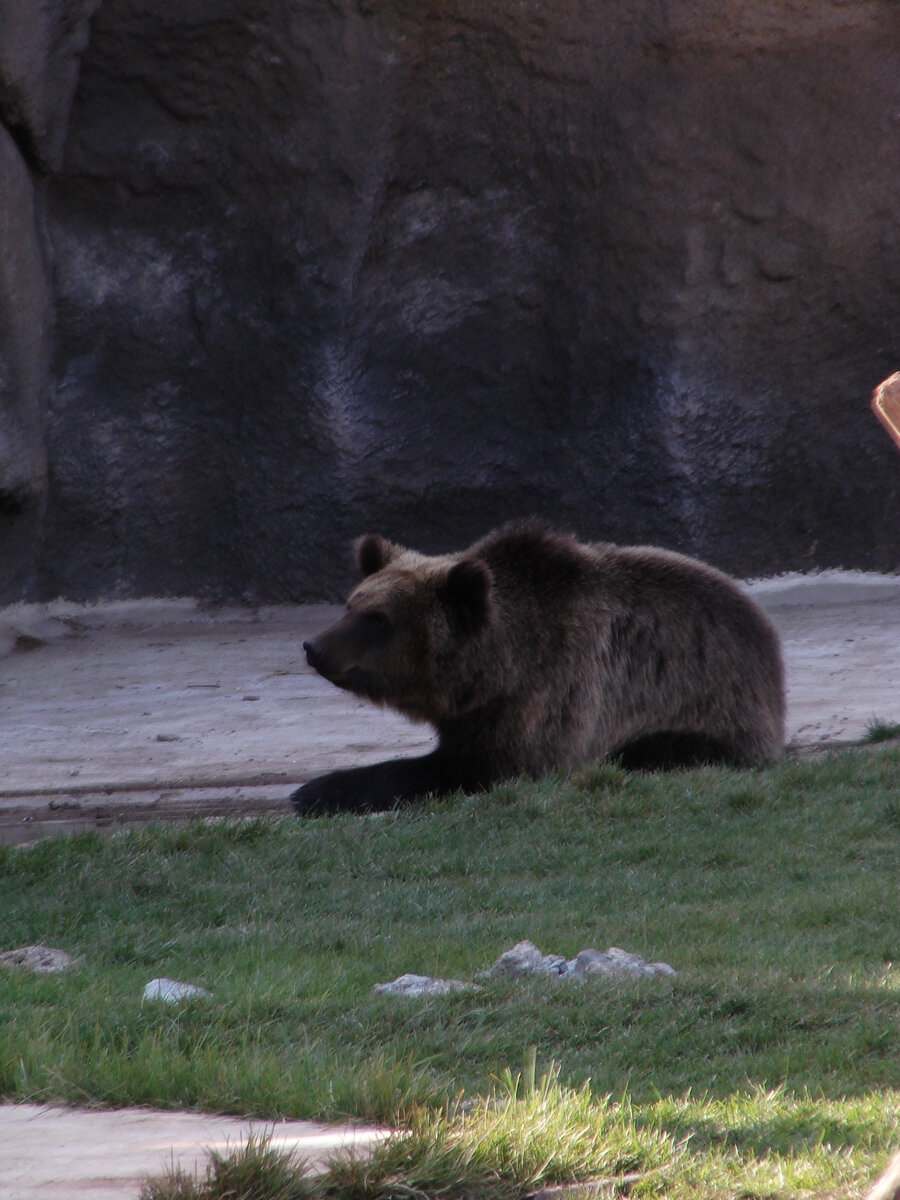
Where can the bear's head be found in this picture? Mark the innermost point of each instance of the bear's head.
(409, 630)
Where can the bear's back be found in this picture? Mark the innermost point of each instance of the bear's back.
(606, 642)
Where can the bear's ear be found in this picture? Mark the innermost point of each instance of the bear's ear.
(466, 594)
(374, 552)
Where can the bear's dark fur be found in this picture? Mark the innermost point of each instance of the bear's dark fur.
(532, 652)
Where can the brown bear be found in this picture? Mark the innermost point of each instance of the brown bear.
(532, 652)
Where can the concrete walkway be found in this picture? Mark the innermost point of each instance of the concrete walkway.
(118, 713)
(49, 1153)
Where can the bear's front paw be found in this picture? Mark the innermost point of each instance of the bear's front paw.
(327, 794)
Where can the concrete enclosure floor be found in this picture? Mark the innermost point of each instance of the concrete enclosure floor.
(117, 713)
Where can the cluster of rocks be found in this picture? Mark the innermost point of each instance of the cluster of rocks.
(525, 959)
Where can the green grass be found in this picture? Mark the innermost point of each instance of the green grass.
(881, 731)
(769, 1066)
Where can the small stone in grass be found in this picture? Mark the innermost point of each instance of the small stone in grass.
(422, 985)
(172, 991)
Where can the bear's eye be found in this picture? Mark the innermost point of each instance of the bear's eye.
(377, 625)
(373, 617)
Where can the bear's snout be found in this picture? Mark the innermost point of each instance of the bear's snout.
(313, 654)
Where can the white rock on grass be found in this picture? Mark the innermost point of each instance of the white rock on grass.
(43, 960)
(171, 991)
(422, 985)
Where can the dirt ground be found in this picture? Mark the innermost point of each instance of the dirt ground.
(117, 713)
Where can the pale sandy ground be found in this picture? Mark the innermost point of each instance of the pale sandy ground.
(121, 712)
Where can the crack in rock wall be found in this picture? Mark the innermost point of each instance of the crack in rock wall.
(300, 271)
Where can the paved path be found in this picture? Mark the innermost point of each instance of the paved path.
(49, 1153)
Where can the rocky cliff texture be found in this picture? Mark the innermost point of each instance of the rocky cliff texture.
(271, 275)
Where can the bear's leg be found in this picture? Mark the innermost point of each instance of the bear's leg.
(382, 785)
(672, 750)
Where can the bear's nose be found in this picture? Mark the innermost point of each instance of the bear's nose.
(313, 653)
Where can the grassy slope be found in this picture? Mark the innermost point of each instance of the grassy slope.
(775, 894)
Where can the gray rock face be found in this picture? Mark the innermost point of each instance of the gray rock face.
(41, 43)
(315, 270)
(24, 369)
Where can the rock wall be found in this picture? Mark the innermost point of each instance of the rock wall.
(272, 275)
